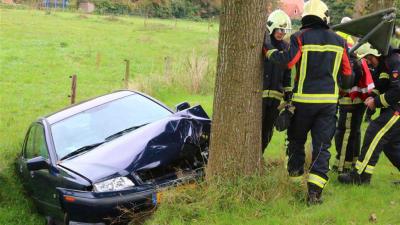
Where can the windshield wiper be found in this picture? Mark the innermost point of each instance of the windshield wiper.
(122, 132)
(81, 149)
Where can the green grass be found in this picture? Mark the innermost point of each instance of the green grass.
(38, 53)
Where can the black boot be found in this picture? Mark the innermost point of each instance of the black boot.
(396, 182)
(354, 178)
(314, 194)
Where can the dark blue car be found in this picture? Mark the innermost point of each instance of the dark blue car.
(86, 162)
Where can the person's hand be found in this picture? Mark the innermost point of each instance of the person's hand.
(267, 45)
(370, 103)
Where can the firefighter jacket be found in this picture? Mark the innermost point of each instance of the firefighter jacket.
(321, 61)
(387, 91)
(276, 78)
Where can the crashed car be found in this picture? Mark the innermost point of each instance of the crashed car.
(86, 162)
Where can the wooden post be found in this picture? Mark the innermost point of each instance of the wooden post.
(73, 88)
(126, 80)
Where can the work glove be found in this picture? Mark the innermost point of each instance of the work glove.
(284, 118)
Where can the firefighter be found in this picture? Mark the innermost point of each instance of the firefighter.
(383, 133)
(276, 79)
(321, 61)
(345, 36)
(351, 111)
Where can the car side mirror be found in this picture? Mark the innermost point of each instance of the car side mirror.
(182, 106)
(37, 163)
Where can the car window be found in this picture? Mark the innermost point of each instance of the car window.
(36, 143)
(94, 125)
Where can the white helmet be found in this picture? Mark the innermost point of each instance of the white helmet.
(345, 19)
(278, 19)
(367, 49)
(316, 8)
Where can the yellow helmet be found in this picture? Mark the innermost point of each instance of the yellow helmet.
(316, 8)
(366, 49)
(278, 19)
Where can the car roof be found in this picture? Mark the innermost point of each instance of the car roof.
(91, 103)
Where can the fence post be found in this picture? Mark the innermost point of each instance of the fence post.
(73, 89)
(126, 80)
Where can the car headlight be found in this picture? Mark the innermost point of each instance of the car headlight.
(114, 184)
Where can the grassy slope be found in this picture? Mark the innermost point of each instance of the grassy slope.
(37, 54)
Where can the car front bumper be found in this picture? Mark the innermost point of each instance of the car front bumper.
(90, 207)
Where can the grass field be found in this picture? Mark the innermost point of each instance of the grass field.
(38, 53)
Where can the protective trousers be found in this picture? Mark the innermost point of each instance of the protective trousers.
(269, 114)
(320, 118)
(383, 133)
(348, 135)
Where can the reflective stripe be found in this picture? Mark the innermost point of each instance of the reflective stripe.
(287, 88)
(315, 98)
(383, 101)
(322, 48)
(347, 165)
(269, 53)
(345, 141)
(375, 142)
(376, 91)
(348, 101)
(369, 169)
(317, 180)
(303, 69)
(384, 76)
(272, 94)
(318, 98)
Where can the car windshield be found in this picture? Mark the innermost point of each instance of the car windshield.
(96, 124)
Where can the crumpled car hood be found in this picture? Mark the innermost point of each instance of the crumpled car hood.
(156, 144)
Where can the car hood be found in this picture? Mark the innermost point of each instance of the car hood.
(154, 145)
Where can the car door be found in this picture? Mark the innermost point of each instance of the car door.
(43, 182)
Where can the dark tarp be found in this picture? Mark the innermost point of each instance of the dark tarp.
(376, 28)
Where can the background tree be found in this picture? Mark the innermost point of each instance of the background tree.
(363, 7)
(235, 148)
(340, 9)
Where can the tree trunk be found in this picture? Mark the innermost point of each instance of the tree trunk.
(359, 8)
(364, 7)
(235, 148)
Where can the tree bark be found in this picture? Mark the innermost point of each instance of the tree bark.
(363, 7)
(359, 8)
(376, 5)
(235, 147)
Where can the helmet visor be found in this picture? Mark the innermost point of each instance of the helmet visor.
(283, 30)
